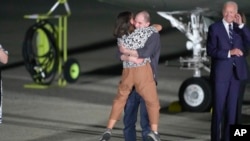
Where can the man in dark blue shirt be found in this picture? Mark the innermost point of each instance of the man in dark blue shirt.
(152, 50)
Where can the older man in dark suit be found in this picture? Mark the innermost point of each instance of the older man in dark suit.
(225, 46)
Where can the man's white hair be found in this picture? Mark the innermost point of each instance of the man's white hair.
(231, 3)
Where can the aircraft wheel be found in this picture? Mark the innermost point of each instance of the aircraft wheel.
(195, 94)
(71, 70)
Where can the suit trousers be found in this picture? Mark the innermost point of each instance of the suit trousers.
(130, 117)
(240, 102)
(224, 108)
(143, 81)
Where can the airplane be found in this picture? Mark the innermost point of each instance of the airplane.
(177, 5)
(195, 92)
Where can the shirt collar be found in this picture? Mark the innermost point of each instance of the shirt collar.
(226, 23)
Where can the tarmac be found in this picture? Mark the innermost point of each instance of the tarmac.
(79, 111)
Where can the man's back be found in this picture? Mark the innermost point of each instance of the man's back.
(152, 49)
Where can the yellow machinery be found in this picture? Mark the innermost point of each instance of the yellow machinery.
(45, 49)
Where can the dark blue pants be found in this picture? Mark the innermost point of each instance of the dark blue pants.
(130, 117)
(224, 108)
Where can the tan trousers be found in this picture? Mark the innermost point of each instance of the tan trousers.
(142, 78)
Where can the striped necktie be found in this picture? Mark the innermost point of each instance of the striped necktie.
(231, 33)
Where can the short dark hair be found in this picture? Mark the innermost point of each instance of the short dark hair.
(243, 16)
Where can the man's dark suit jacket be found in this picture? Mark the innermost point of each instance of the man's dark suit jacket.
(218, 46)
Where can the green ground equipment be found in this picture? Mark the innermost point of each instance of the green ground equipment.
(45, 49)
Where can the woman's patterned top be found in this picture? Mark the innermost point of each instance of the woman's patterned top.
(136, 40)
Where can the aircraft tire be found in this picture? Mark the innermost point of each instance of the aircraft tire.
(71, 70)
(195, 94)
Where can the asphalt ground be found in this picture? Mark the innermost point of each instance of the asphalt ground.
(79, 111)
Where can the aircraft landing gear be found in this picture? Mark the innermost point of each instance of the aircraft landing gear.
(195, 94)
